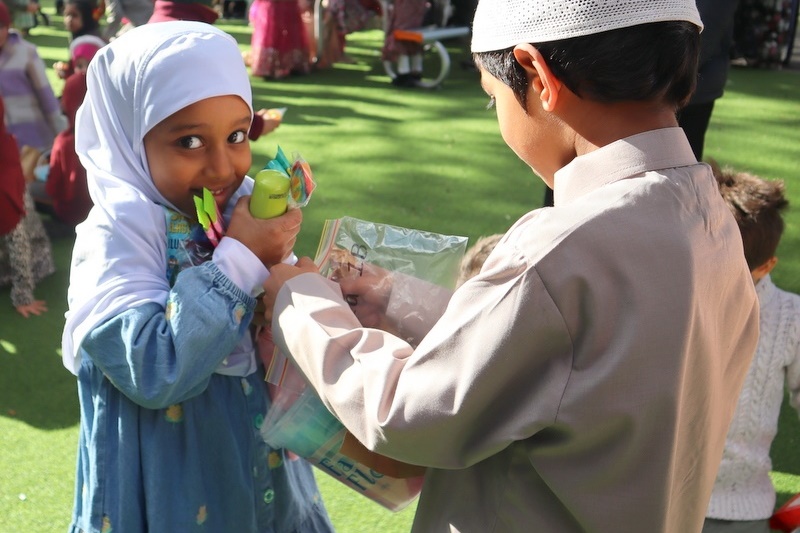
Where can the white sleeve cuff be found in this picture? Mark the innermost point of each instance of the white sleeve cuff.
(241, 265)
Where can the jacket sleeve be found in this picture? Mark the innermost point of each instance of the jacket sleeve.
(48, 102)
(474, 384)
(158, 356)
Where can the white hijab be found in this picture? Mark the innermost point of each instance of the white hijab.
(141, 78)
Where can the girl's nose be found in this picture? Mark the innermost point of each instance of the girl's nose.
(220, 163)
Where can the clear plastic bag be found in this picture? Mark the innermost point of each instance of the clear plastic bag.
(297, 419)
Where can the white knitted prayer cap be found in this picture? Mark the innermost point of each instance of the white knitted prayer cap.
(501, 24)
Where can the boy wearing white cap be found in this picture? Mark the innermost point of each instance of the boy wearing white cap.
(584, 380)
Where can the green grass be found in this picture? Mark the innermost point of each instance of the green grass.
(430, 160)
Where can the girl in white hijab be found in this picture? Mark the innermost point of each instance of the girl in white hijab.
(171, 395)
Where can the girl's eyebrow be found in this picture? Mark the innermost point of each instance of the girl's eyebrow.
(244, 121)
(185, 127)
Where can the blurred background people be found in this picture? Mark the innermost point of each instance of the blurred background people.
(23, 14)
(82, 17)
(26, 255)
(764, 32)
(716, 41)
(81, 50)
(404, 15)
(124, 14)
(64, 193)
(279, 42)
(32, 112)
(196, 10)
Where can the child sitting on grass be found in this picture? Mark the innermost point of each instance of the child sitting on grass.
(25, 251)
(65, 194)
(405, 15)
(744, 496)
(81, 51)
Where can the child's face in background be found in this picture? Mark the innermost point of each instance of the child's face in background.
(203, 145)
(73, 22)
(81, 64)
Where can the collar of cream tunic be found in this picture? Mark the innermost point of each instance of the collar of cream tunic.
(623, 159)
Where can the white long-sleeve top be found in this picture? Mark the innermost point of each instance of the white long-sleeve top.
(743, 489)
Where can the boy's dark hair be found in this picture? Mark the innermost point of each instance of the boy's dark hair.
(649, 61)
(756, 205)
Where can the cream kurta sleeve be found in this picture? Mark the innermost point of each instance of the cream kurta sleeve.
(467, 391)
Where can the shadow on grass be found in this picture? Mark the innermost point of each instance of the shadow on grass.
(35, 388)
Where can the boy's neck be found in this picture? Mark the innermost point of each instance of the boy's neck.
(599, 124)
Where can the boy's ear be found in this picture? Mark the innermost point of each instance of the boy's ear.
(767, 267)
(761, 271)
(541, 79)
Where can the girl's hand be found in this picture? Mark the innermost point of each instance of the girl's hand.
(271, 240)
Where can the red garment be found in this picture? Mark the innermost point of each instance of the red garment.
(12, 180)
(66, 182)
(787, 517)
(256, 128)
(279, 44)
(5, 16)
(165, 10)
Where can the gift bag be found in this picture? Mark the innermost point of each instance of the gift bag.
(297, 419)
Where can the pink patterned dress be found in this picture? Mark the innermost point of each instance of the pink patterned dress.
(279, 44)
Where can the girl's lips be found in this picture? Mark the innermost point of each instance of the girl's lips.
(221, 197)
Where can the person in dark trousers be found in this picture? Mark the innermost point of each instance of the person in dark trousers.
(712, 69)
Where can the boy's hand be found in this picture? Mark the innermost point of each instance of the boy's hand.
(367, 291)
(280, 274)
(271, 240)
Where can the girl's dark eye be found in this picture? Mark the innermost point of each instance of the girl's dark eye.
(191, 142)
(237, 137)
(491, 103)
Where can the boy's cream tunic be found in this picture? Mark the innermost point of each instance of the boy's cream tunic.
(584, 380)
